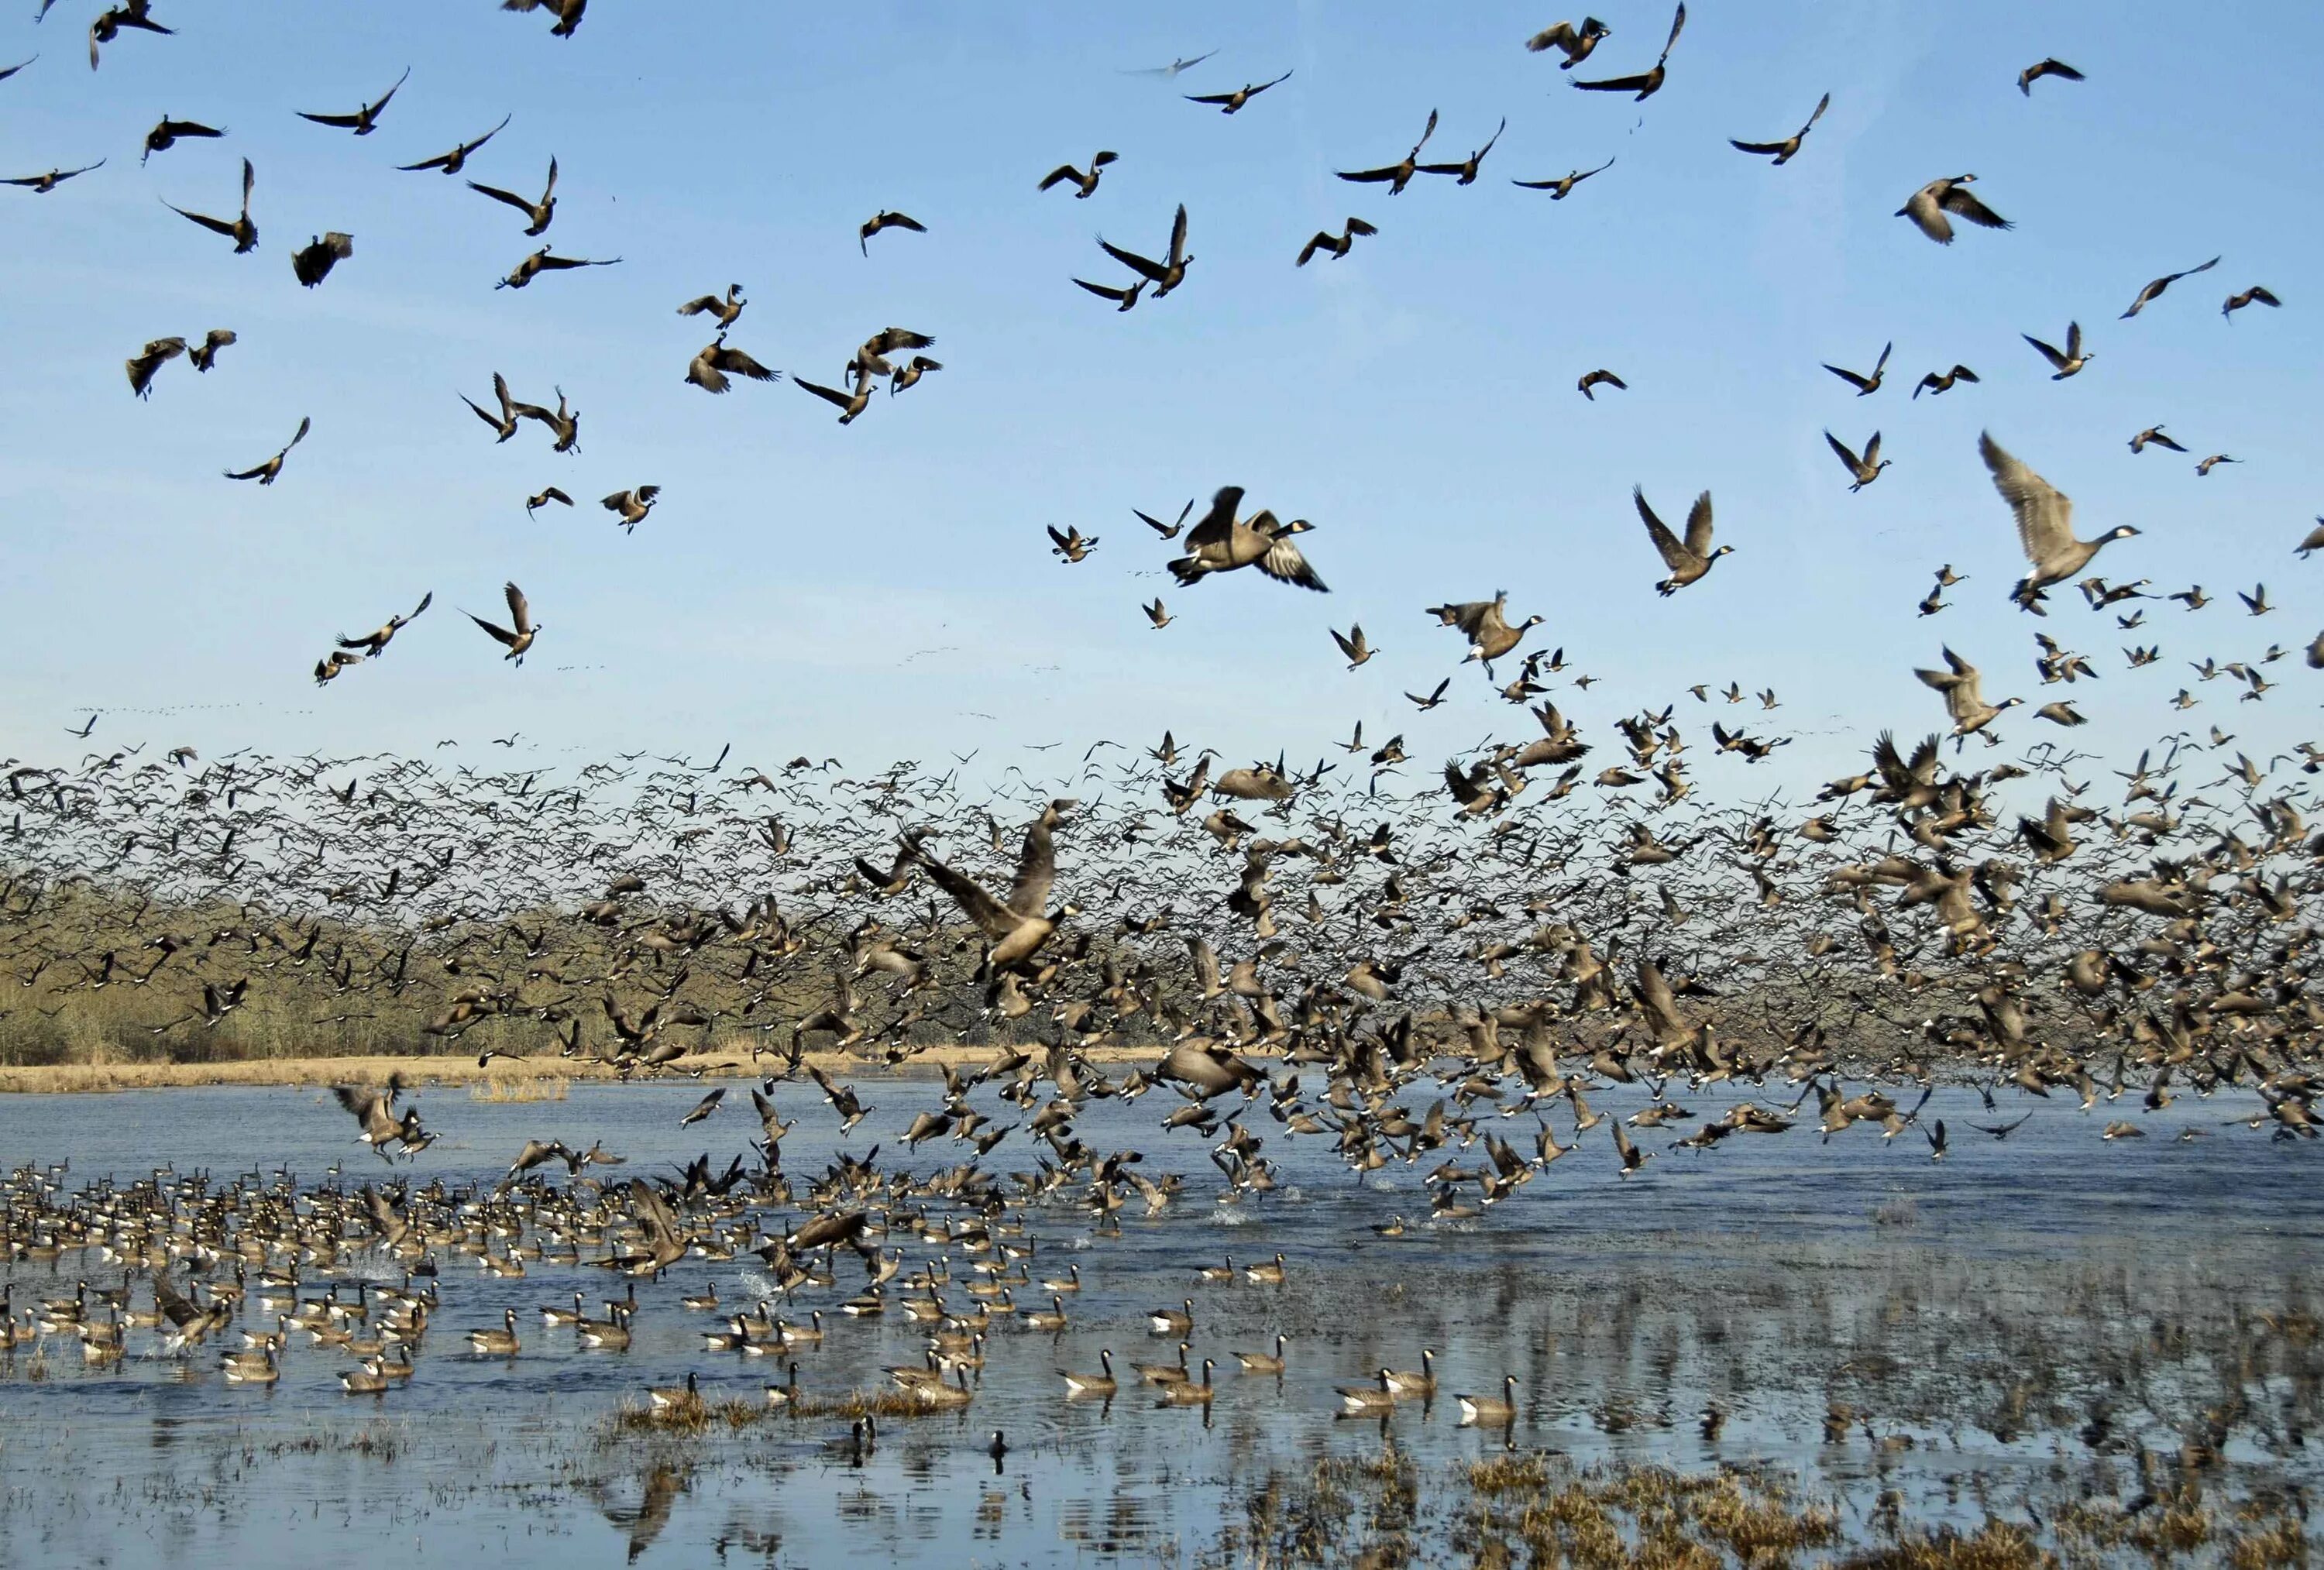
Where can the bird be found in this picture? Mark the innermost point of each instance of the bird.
(713, 363)
(1172, 68)
(1931, 205)
(566, 11)
(1465, 171)
(1015, 928)
(1573, 42)
(1485, 623)
(2045, 67)
(137, 14)
(1866, 384)
(1072, 546)
(1338, 245)
(1123, 299)
(909, 373)
(534, 503)
(1166, 274)
(1866, 469)
(505, 422)
(1158, 616)
(266, 474)
(726, 309)
(2203, 466)
(1353, 645)
(454, 161)
(2071, 361)
(1166, 530)
(2153, 291)
(2045, 523)
(525, 629)
(313, 262)
(541, 261)
(204, 355)
(2257, 294)
(537, 215)
(240, 230)
(1599, 377)
(1562, 187)
(631, 507)
(363, 121)
(884, 219)
(2154, 434)
(373, 644)
(1084, 184)
(850, 405)
(146, 362)
(1789, 147)
(703, 1109)
(1219, 543)
(1964, 700)
(1229, 103)
(1935, 382)
(168, 133)
(1396, 176)
(1688, 559)
(1647, 84)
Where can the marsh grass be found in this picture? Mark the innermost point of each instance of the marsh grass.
(514, 1088)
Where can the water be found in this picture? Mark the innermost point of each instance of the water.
(1974, 1314)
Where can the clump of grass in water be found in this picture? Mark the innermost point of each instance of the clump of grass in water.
(524, 1088)
(1996, 1545)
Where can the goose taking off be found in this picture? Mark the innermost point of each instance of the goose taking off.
(2045, 524)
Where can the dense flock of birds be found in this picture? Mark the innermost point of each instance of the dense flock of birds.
(1275, 951)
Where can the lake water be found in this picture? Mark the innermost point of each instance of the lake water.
(2005, 1327)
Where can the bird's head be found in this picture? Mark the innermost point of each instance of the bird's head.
(1721, 551)
(2122, 531)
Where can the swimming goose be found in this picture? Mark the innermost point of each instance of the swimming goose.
(884, 219)
(1093, 1384)
(1866, 384)
(785, 1394)
(503, 1343)
(1935, 382)
(1163, 1372)
(1219, 544)
(612, 1333)
(553, 1313)
(1485, 1411)
(368, 1379)
(946, 1396)
(1052, 1318)
(1365, 1400)
(1964, 701)
(1262, 1363)
(671, 1397)
(1573, 42)
(1562, 187)
(1407, 1383)
(2045, 67)
(1688, 559)
(250, 1367)
(1084, 184)
(1229, 103)
(2045, 524)
(1338, 245)
(537, 215)
(1265, 1275)
(1396, 176)
(266, 474)
(1866, 469)
(1788, 148)
(1646, 84)
(2153, 292)
(1930, 205)
(363, 121)
(1601, 378)
(521, 615)
(454, 161)
(2068, 363)
(1177, 1322)
(1185, 1393)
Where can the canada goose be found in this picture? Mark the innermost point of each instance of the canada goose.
(1964, 700)
(1407, 1383)
(1464, 173)
(1262, 1363)
(1689, 559)
(534, 503)
(1219, 544)
(670, 1398)
(726, 310)
(1052, 1318)
(1646, 84)
(946, 1396)
(554, 1314)
(363, 121)
(1353, 645)
(1171, 70)
(537, 215)
(2153, 291)
(204, 355)
(166, 134)
(1123, 299)
(1788, 148)
(1163, 1372)
(1866, 384)
(2154, 434)
(454, 161)
(785, 1394)
(1229, 103)
(541, 261)
(1366, 1400)
(908, 374)
(2045, 524)
(1071, 1281)
(1486, 1411)
(240, 230)
(2255, 294)
(1935, 382)
(1072, 546)
(1396, 176)
(1338, 245)
(146, 362)
(1157, 614)
(612, 1334)
(1185, 1393)
(521, 616)
(112, 20)
(2204, 465)
(807, 1334)
(1866, 469)
(1016, 929)
(629, 509)
(502, 1342)
(2071, 361)
(367, 1378)
(849, 405)
(1601, 378)
(2045, 67)
(1562, 187)
(1930, 205)
(1166, 274)
(568, 12)
(1270, 1274)
(1084, 184)
(258, 1367)
(266, 474)
(884, 219)
(713, 362)
(1573, 42)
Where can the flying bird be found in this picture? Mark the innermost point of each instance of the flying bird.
(1933, 207)
(726, 309)
(631, 507)
(1562, 187)
(714, 362)
(1338, 245)
(2068, 363)
(883, 219)
(2045, 524)
(167, 134)
(313, 262)
(1573, 42)
(1866, 384)
(363, 121)
(41, 185)
(1935, 381)
(541, 261)
(265, 474)
(2047, 68)
(520, 616)
(1172, 69)
(1221, 544)
(241, 231)
(2153, 292)
(1396, 176)
(205, 354)
(1084, 184)
(1166, 274)
(534, 503)
(454, 161)
(1649, 83)
(1866, 469)
(1228, 103)
(2257, 294)
(373, 644)
(849, 405)
(1789, 147)
(537, 215)
(1601, 378)
(1465, 171)
(137, 14)
(146, 362)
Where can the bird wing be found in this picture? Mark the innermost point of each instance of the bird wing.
(1217, 525)
(1767, 147)
(519, 610)
(522, 204)
(742, 365)
(1284, 562)
(1678, 25)
(1698, 525)
(986, 912)
(2044, 515)
(1107, 290)
(1821, 104)
(214, 225)
(1840, 448)
(1036, 871)
(341, 121)
(1132, 260)
(1959, 201)
(1372, 175)
(828, 394)
(1058, 176)
(1615, 84)
(1177, 252)
(1673, 553)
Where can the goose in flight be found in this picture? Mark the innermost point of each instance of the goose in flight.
(631, 507)
(1123, 299)
(373, 644)
(111, 21)
(1172, 68)
(533, 504)
(1486, 624)
(2046, 67)
(454, 161)
(1397, 176)
(1688, 559)
(41, 185)
(313, 262)
(541, 261)
(884, 219)
(537, 215)
(1338, 245)
(726, 310)
(1017, 927)
(1646, 84)
(1866, 469)
(849, 404)
(526, 629)
(713, 363)
(205, 354)
(1084, 184)
(2153, 292)
(1573, 42)
(2045, 524)
(1933, 207)
(363, 121)
(1562, 187)
(1166, 274)
(1864, 385)
(1595, 379)
(1219, 544)
(565, 423)
(240, 230)
(2257, 294)
(566, 11)
(1788, 148)
(2154, 434)
(1960, 683)
(1465, 171)
(166, 135)
(146, 362)
(1229, 103)
(2068, 363)
(504, 422)
(1937, 382)
(266, 474)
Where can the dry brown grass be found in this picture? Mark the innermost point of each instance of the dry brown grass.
(521, 1087)
(1996, 1545)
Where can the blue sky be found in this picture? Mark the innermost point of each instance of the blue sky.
(877, 591)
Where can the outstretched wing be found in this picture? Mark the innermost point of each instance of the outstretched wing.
(2045, 516)
(1668, 544)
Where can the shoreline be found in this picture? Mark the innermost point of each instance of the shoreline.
(513, 1075)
